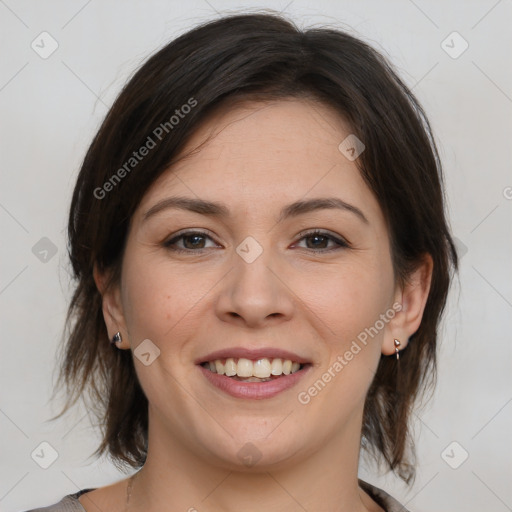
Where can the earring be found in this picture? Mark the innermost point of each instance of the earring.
(397, 344)
(116, 338)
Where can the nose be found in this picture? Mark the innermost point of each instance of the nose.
(255, 294)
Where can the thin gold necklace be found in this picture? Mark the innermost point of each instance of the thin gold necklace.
(129, 490)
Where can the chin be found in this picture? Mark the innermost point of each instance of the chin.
(256, 454)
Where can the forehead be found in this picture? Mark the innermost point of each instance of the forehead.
(256, 156)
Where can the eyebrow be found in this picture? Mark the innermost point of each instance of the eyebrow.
(216, 209)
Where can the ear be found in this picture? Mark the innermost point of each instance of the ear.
(412, 297)
(111, 306)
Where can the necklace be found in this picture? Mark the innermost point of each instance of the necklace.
(129, 491)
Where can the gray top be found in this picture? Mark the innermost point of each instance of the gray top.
(70, 502)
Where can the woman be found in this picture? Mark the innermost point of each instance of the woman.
(262, 259)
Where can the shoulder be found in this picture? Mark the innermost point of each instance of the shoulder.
(382, 498)
(69, 503)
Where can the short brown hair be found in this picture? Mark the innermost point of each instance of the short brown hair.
(258, 56)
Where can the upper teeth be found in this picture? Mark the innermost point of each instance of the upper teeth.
(261, 368)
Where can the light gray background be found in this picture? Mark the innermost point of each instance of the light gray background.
(50, 109)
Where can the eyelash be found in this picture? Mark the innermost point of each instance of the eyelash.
(341, 243)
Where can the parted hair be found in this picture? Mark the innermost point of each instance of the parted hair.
(261, 56)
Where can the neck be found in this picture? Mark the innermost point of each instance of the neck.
(323, 481)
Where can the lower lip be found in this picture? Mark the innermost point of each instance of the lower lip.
(253, 390)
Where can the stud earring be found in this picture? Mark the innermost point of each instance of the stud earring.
(116, 338)
(397, 344)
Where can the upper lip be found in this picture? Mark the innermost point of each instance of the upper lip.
(252, 354)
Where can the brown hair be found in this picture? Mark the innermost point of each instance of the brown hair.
(259, 56)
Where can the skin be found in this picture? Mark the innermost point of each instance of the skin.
(257, 158)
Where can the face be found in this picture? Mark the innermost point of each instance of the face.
(251, 282)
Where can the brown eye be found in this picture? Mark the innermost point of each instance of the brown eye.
(319, 241)
(189, 241)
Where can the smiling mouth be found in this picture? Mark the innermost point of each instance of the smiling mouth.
(260, 370)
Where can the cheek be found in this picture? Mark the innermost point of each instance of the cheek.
(349, 297)
(162, 301)
(351, 304)
(155, 297)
